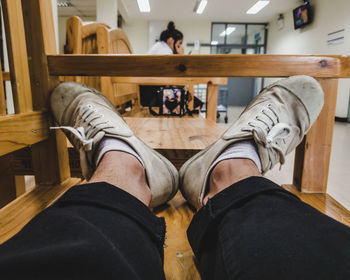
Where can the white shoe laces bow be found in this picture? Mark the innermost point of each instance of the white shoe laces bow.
(84, 131)
(271, 133)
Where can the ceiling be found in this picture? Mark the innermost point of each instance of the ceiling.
(182, 10)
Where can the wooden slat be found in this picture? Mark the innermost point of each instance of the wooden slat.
(169, 80)
(20, 183)
(22, 130)
(103, 45)
(19, 212)
(191, 94)
(6, 76)
(50, 158)
(176, 138)
(17, 54)
(313, 155)
(175, 133)
(198, 65)
(212, 101)
(2, 94)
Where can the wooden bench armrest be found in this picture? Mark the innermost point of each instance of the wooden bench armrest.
(168, 80)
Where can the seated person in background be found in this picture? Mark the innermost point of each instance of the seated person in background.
(170, 42)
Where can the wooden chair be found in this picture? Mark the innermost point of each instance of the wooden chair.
(92, 37)
(45, 154)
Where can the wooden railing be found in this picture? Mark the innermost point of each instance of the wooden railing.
(313, 155)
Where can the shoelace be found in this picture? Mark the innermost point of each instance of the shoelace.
(271, 134)
(85, 131)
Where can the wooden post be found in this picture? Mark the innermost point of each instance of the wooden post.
(191, 93)
(50, 158)
(312, 158)
(17, 53)
(212, 101)
(2, 95)
(103, 44)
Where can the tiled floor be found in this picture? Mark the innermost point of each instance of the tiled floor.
(339, 174)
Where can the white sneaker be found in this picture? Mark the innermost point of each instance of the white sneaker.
(277, 119)
(86, 116)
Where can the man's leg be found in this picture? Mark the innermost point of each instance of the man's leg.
(104, 229)
(101, 230)
(253, 229)
(250, 228)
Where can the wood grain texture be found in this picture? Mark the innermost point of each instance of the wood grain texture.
(17, 55)
(103, 46)
(169, 80)
(19, 212)
(50, 158)
(191, 94)
(6, 76)
(313, 156)
(212, 101)
(176, 133)
(198, 65)
(115, 41)
(21, 130)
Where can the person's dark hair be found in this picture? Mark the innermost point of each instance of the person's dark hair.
(171, 32)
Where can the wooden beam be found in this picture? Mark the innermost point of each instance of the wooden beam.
(198, 65)
(50, 158)
(312, 158)
(21, 130)
(169, 80)
(17, 53)
(18, 213)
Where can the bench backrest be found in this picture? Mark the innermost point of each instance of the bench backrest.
(98, 38)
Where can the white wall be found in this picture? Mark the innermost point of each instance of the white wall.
(137, 33)
(143, 33)
(329, 16)
(107, 12)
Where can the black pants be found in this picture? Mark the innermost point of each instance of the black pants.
(252, 230)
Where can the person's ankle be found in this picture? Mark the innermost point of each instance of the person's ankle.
(125, 172)
(228, 172)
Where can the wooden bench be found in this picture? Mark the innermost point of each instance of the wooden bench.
(30, 33)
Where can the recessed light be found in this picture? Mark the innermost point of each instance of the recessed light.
(64, 4)
(214, 43)
(144, 6)
(200, 6)
(258, 7)
(228, 31)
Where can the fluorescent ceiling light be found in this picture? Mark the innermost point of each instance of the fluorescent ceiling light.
(200, 6)
(144, 6)
(258, 7)
(228, 31)
(64, 4)
(214, 43)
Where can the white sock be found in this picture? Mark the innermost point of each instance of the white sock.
(113, 144)
(241, 149)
